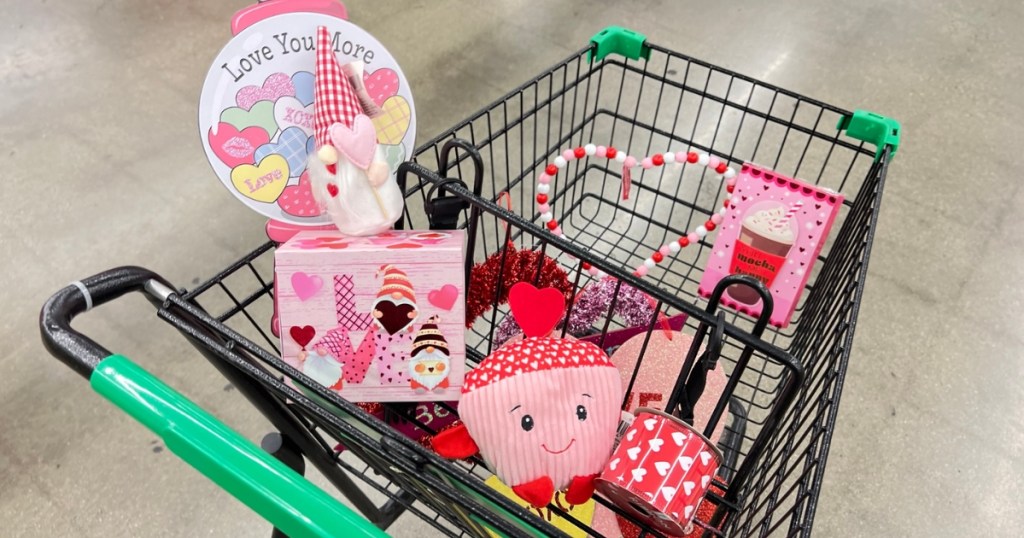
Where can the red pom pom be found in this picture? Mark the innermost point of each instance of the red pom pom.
(658, 160)
(721, 168)
(551, 170)
(552, 224)
(691, 157)
(542, 198)
(710, 226)
(683, 241)
(579, 153)
(657, 257)
(611, 152)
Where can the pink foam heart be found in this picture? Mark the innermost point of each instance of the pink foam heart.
(445, 297)
(297, 200)
(381, 84)
(357, 144)
(234, 147)
(275, 86)
(306, 286)
(537, 311)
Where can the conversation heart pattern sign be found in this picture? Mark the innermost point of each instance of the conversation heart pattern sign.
(256, 110)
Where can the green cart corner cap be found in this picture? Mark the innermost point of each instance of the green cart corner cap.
(873, 129)
(618, 40)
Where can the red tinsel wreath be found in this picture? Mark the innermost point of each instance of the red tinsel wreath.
(519, 266)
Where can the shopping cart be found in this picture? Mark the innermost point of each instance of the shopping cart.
(785, 384)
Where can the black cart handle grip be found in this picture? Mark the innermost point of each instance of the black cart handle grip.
(77, 351)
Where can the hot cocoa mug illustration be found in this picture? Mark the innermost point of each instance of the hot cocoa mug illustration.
(767, 233)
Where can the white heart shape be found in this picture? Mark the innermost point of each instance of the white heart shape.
(688, 487)
(704, 481)
(686, 462)
(534, 365)
(687, 512)
(615, 463)
(655, 444)
(630, 435)
(633, 452)
(576, 359)
(649, 423)
(508, 369)
(289, 112)
(679, 438)
(662, 467)
(668, 492)
(704, 457)
(638, 474)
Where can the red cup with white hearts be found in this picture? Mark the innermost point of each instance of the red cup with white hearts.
(660, 471)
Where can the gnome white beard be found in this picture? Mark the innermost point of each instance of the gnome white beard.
(356, 210)
(429, 360)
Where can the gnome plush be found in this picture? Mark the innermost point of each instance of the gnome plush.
(350, 178)
(542, 411)
(428, 363)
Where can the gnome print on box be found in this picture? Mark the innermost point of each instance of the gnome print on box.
(349, 173)
(394, 311)
(429, 364)
(542, 411)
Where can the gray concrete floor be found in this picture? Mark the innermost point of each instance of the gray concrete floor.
(105, 168)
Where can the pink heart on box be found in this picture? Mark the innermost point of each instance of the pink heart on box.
(381, 84)
(444, 298)
(297, 200)
(306, 286)
(359, 143)
(234, 147)
(275, 86)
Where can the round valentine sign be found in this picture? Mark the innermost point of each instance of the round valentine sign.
(256, 110)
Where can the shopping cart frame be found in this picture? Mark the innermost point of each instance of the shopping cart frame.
(454, 492)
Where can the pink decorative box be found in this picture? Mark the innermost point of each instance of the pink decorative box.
(379, 318)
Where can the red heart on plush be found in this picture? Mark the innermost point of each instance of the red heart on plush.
(297, 200)
(234, 147)
(537, 311)
(302, 335)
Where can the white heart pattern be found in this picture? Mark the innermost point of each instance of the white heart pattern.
(631, 435)
(686, 462)
(655, 444)
(662, 467)
(649, 423)
(704, 481)
(633, 453)
(679, 438)
(615, 463)
(687, 512)
(534, 365)
(668, 492)
(638, 474)
(688, 487)
(704, 457)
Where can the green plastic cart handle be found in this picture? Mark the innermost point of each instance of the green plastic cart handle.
(283, 497)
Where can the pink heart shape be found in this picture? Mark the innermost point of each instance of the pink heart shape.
(405, 245)
(297, 200)
(234, 147)
(381, 84)
(537, 311)
(275, 86)
(306, 286)
(359, 143)
(444, 298)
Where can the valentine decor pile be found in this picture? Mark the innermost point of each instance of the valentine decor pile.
(491, 280)
(541, 411)
(377, 319)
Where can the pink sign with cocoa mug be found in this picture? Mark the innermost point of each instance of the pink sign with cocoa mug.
(775, 228)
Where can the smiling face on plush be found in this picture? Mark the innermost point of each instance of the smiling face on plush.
(556, 417)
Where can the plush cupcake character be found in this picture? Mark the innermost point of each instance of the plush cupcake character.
(350, 178)
(542, 411)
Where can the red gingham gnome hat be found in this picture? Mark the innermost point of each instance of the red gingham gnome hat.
(395, 281)
(334, 99)
(534, 355)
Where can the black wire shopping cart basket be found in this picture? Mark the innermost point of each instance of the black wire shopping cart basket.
(784, 384)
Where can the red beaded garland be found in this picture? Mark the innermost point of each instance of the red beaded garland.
(551, 170)
(658, 160)
(542, 198)
(730, 188)
(683, 241)
(579, 152)
(586, 266)
(611, 152)
(691, 157)
(552, 224)
(657, 257)
(709, 226)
